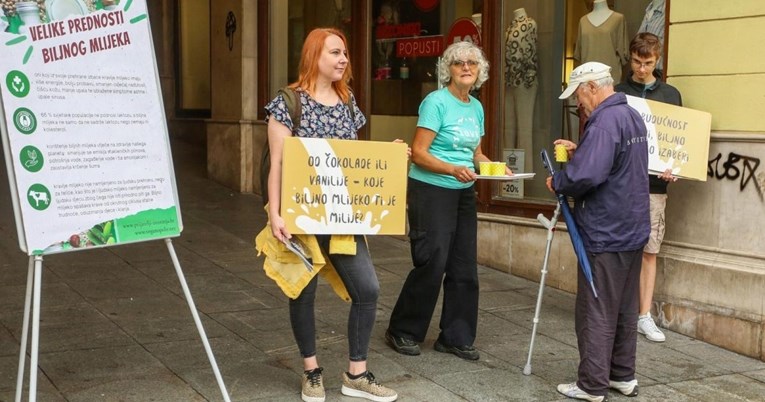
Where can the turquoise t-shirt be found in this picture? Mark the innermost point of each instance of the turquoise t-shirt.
(458, 127)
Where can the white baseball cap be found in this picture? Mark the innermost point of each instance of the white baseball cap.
(590, 71)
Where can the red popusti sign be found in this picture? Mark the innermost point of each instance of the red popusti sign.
(422, 46)
(464, 29)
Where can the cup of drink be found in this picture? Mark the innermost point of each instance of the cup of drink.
(561, 153)
(498, 168)
(484, 168)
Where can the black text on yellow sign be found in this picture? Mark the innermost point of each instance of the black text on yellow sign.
(678, 138)
(343, 186)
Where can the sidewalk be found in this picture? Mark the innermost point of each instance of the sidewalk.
(115, 325)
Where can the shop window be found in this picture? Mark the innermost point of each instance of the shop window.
(539, 54)
(407, 38)
(530, 74)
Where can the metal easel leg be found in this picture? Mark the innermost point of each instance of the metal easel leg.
(36, 293)
(198, 322)
(25, 330)
(550, 225)
(32, 299)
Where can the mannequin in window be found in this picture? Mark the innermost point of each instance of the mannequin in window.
(600, 12)
(521, 84)
(602, 37)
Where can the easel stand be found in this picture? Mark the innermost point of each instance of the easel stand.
(34, 281)
(550, 226)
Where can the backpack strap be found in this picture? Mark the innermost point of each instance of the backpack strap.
(294, 106)
(353, 111)
(295, 110)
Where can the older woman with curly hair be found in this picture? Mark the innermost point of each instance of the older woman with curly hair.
(442, 211)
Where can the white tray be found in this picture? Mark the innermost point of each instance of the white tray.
(517, 176)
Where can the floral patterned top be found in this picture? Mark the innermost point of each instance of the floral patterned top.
(317, 120)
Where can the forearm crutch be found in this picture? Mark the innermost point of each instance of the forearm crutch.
(550, 225)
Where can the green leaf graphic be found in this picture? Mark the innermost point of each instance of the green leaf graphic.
(16, 40)
(28, 54)
(138, 18)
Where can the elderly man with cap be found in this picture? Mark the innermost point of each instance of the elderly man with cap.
(608, 178)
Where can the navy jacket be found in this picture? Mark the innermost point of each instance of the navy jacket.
(607, 178)
(660, 92)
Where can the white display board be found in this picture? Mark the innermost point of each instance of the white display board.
(84, 131)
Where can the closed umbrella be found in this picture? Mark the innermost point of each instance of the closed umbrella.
(573, 231)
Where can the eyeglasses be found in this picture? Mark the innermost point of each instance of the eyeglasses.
(647, 65)
(463, 63)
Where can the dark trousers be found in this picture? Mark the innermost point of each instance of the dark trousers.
(360, 279)
(606, 327)
(442, 232)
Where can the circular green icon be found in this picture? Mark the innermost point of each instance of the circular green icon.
(17, 83)
(38, 197)
(24, 120)
(31, 158)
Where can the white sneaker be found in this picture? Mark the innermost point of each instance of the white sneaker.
(647, 327)
(573, 391)
(629, 388)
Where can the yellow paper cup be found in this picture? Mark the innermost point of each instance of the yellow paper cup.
(561, 154)
(484, 168)
(498, 168)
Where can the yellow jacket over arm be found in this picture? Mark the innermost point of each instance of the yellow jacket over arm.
(289, 272)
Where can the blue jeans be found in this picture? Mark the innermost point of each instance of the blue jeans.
(360, 279)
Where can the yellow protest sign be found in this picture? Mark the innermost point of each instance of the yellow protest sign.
(343, 187)
(678, 138)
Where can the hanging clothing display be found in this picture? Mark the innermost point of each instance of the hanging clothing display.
(606, 43)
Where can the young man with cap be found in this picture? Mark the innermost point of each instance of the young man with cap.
(607, 177)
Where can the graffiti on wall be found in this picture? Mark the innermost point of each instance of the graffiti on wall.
(738, 167)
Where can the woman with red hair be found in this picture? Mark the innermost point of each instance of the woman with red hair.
(325, 97)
